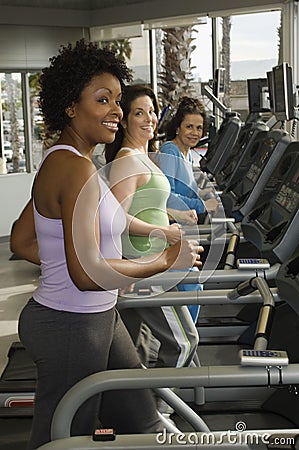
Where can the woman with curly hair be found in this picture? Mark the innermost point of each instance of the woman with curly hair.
(72, 227)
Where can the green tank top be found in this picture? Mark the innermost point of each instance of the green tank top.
(148, 204)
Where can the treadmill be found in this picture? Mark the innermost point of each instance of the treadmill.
(272, 229)
(257, 166)
(249, 133)
(274, 419)
(238, 198)
(254, 125)
(219, 148)
(266, 224)
(261, 405)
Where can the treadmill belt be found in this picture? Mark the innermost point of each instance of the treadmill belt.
(14, 432)
(15, 426)
(20, 366)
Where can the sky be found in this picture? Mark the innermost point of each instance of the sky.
(253, 37)
(257, 33)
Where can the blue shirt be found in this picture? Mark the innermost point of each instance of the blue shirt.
(179, 172)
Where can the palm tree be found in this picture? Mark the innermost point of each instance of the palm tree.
(121, 47)
(13, 116)
(225, 59)
(280, 43)
(175, 76)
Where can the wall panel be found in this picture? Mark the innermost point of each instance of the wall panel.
(26, 47)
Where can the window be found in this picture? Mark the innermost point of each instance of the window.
(22, 134)
(140, 59)
(13, 149)
(254, 50)
(202, 55)
(39, 138)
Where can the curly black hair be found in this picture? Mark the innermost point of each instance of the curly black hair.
(186, 105)
(69, 73)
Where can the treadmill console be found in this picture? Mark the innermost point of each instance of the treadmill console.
(258, 166)
(234, 168)
(288, 196)
(273, 225)
(287, 281)
(219, 148)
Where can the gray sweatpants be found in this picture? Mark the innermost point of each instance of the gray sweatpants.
(66, 347)
(172, 326)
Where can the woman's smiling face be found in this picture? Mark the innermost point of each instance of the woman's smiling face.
(98, 112)
(190, 130)
(142, 120)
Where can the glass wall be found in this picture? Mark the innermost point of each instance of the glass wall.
(202, 56)
(13, 150)
(246, 45)
(39, 138)
(253, 49)
(139, 61)
(22, 130)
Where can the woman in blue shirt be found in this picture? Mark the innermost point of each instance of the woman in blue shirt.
(183, 132)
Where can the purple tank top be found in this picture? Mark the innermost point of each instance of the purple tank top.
(56, 289)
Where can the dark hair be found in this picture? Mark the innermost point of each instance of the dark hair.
(69, 73)
(130, 93)
(186, 105)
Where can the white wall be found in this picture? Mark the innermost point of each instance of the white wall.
(15, 189)
(27, 47)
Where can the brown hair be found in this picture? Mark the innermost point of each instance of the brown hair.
(130, 93)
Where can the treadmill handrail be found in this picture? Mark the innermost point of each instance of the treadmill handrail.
(208, 297)
(172, 278)
(209, 376)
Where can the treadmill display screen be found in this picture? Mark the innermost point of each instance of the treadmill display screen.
(255, 169)
(288, 198)
(296, 177)
(253, 173)
(260, 155)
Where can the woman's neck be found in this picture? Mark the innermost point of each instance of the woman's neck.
(132, 143)
(184, 149)
(72, 138)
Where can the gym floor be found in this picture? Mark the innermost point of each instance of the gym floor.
(18, 280)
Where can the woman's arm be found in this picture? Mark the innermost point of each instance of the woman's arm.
(136, 227)
(188, 217)
(125, 177)
(79, 200)
(23, 240)
(169, 161)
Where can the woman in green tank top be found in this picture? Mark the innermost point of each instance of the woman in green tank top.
(138, 184)
(143, 190)
(149, 205)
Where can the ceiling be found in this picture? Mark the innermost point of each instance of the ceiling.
(69, 4)
(89, 13)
